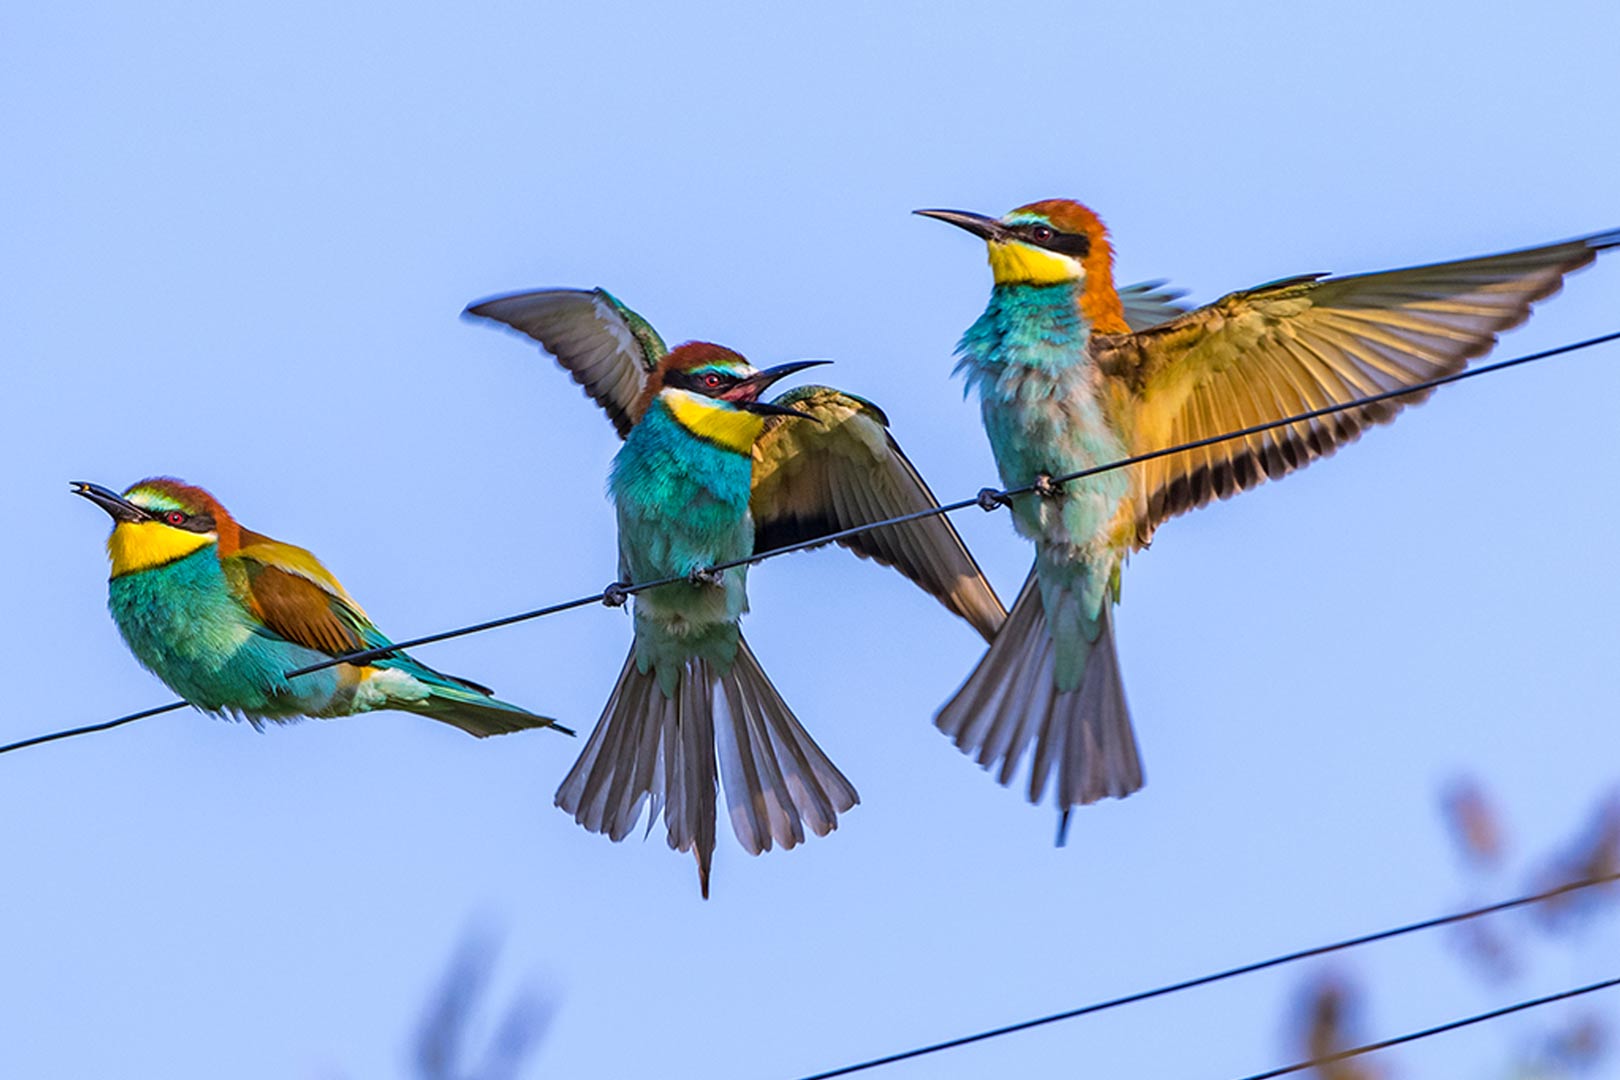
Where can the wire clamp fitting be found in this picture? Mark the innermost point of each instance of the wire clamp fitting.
(1046, 487)
(989, 499)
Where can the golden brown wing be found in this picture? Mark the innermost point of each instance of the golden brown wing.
(1304, 344)
(605, 346)
(811, 479)
(295, 596)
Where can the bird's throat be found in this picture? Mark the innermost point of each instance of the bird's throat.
(137, 546)
(723, 425)
(1013, 263)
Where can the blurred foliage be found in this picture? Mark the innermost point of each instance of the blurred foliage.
(1497, 948)
(441, 1046)
(1330, 1023)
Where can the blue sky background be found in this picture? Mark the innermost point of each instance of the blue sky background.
(236, 243)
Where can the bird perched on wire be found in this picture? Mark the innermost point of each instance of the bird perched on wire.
(710, 473)
(1064, 384)
(220, 613)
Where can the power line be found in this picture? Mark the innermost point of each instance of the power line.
(107, 726)
(1438, 1029)
(986, 499)
(1219, 976)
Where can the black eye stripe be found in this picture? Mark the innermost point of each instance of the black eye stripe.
(689, 380)
(1077, 245)
(197, 523)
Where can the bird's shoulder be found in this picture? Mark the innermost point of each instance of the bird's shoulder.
(288, 589)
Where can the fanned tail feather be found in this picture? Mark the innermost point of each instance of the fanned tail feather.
(1012, 699)
(658, 752)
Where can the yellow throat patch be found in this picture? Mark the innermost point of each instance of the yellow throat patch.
(136, 546)
(724, 425)
(1020, 264)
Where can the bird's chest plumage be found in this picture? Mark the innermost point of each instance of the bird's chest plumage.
(184, 624)
(181, 621)
(682, 505)
(680, 498)
(1040, 396)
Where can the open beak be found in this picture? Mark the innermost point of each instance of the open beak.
(117, 507)
(985, 228)
(745, 395)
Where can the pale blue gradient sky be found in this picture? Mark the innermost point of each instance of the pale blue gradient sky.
(236, 247)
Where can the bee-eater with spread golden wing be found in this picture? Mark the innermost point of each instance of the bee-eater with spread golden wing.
(709, 473)
(220, 613)
(1065, 384)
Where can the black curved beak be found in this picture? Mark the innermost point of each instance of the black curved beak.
(985, 228)
(745, 394)
(117, 507)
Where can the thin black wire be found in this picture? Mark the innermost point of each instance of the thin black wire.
(988, 499)
(1438, 1029)
(110, 724)
(1219, 976)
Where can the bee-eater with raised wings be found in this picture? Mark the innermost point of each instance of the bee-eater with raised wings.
(1065, 384)
(221, 613)
(710, 473)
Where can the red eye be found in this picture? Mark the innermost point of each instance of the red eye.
(1041, 233)
(711, 380)
(175, 517)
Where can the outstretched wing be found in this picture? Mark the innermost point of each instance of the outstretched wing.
(605, 346)
(1302, 344)
(296, 597)
(1149, 303)
(812, 479)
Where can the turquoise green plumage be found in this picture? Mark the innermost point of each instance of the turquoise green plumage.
(709, 474)
(1067, 379)
(691, 692)
(221, 614)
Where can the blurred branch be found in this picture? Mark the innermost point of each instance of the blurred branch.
(1595, 854)
(1330, 1016)
(442, 1035)
(1326, 1007)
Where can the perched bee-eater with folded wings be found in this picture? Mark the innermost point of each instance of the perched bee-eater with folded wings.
(221, 613)
(1065, 383)
(710, 473)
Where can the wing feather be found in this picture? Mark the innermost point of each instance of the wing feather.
(289, 590)
(1149, 303)
(1302, 344)
(606, 347)
(812, 479)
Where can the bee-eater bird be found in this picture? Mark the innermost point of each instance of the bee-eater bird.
(220, 613)
(709, 473)
(1065, 384)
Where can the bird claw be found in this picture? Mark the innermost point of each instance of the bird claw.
(704, 576)
(1046, 488)
(615, 595)
(990, 499)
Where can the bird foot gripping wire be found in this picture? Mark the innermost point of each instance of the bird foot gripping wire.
(615, 595)
(1046, 487)
(989, 499)
(705, 576)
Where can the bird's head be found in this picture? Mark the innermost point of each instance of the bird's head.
(159, 520)
(1051, 242)
(714, 393)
